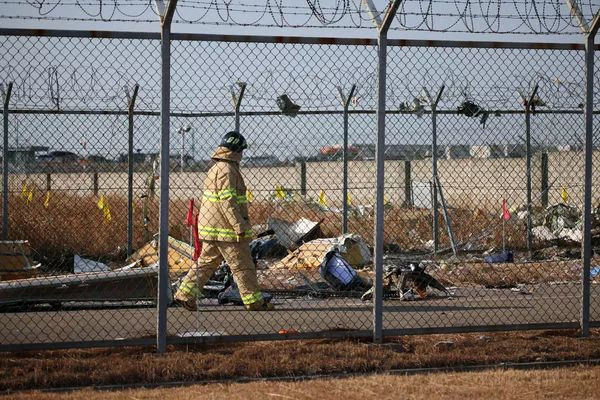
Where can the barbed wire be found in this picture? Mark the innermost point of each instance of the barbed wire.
(106, 88)
(472, 16)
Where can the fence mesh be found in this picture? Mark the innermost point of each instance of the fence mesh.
(476, 177)
(68, 187)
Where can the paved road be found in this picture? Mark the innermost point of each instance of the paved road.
(469, 306)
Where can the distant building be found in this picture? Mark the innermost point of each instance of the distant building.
(515, 150)
(456, 151)
(139, 158)
(445, 151)
(95, 158)
(569, 147)
(396, 151)
(59, 156)
(24, 155)
(175, 160)
(337, 151)
(261, 161)
(487, 151)
(60, 160)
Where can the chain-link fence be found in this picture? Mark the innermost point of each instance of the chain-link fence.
(80, 259)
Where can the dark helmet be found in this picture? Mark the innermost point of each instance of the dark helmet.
(234, 141)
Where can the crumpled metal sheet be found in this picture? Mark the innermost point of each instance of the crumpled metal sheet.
(122, 284)
(311, 254)
(292, 235)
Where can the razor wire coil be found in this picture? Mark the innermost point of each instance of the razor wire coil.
(466, 16)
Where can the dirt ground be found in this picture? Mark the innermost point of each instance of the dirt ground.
(564, 383)
(67, 368)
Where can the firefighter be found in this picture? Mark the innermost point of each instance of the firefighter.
(225, 230)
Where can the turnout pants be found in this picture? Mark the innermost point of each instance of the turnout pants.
(237, 255)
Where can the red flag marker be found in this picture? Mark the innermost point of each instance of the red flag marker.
(505, 213)
(197, 243)
(189, 218)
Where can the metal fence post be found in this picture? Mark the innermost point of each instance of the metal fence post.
(163, 238)
(130, 106)
(445, 214)
(434, 164)
(345, 103)
(587, 201)
(527, 103)
(95, 188)
(544, 179)
(382, 29)
(407, 184)
(380, 165)
(5, 171)
(302, 164)
(237, 103)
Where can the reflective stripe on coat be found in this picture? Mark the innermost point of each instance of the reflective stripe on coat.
(224, 209)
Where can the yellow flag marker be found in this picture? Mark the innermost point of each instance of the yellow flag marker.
(107, 215)
(47, 200)
(101, 202)
(103, 205)
(564, 195)
(279, 192)
(386, 201)
(322, 199)
(24, 191)
(249, 195)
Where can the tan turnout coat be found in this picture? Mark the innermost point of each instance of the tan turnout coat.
(224, 209)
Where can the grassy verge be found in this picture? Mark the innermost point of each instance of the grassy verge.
(567, 383)
(48, 369)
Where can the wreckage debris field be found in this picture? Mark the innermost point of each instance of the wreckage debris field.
(86, 289)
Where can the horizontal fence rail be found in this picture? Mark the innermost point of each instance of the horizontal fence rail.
(95, 34)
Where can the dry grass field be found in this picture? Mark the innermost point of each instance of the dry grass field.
(71, 224)
(65, 368)
(564, 383)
